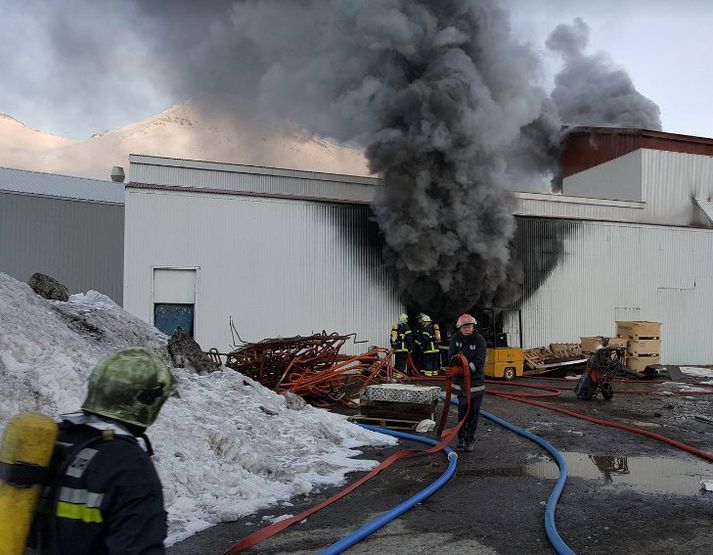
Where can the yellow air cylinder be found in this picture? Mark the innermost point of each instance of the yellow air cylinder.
(27, 443)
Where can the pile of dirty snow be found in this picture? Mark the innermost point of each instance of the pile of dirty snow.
(226, 448)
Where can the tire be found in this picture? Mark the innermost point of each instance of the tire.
(509, 373)
(607, 391)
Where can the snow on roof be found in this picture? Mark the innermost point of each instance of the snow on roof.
(227, 448)
(60, 186)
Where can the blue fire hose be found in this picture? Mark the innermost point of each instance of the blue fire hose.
(557, 542)
(552, 534)
(394, 513)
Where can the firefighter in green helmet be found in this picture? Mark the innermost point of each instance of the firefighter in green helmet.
(105, 496)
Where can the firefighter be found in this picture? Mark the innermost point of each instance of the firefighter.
(471, 344)
(401, 342)
(106, 497)
(430, 337)
(417, 349)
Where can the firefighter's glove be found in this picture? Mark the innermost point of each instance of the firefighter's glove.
(454, 370)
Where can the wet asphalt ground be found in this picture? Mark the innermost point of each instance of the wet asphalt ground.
(626, 493)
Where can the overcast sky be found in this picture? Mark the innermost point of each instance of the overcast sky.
(78, 67)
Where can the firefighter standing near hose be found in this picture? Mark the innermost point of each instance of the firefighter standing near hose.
(472, 345)
(430, 337)
(105, 496)
(401, 342)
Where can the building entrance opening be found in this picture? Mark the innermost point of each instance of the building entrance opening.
(174, 300)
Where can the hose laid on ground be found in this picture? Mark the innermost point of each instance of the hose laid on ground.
(550, 528)
(371, 527)
(272, 529)
(609, 423)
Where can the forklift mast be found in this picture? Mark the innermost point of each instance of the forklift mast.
(500, 327)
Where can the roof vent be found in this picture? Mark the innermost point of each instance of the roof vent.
(117, 174)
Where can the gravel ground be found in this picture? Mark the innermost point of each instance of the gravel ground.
(626, 493)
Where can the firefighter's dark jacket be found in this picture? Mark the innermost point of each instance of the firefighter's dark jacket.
(428, 338)
(475, 350)
(401, 338)
(108, 500)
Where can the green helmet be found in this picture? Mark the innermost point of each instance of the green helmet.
(131, 386)
(403, 319)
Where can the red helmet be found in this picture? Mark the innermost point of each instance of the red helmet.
(464, 320)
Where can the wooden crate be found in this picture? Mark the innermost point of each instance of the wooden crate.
(639, 364)
(643, 347)
(639, 329)
(617, 342)
(590, 344)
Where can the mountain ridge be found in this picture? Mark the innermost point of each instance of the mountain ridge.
(181, 131)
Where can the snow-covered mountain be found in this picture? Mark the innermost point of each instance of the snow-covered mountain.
(181, 131)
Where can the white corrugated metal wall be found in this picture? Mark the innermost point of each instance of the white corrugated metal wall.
(666, 181)
(278, 267)
(670, 182)
(604, 271)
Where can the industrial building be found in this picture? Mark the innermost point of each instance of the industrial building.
(70, 228)
(281, 252)
(285, 252)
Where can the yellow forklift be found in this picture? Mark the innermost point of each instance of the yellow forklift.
(502, 327)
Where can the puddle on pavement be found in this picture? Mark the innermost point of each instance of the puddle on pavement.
(659, 475)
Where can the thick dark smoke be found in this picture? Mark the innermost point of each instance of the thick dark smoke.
(590, 90)
(441, 95)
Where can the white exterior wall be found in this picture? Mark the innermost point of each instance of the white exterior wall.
(667, 182)
(671, 180)
(278, 267)
(618, 179)
(610, 272)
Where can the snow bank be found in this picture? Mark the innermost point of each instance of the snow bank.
(226, 448)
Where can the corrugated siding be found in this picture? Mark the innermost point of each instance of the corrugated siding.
(62, 186)
(671, 181)
(618, 179)
(608, 270)
(238, 178)
(79, 243)
(278, 267)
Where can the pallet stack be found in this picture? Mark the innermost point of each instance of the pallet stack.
(398, 406)
(643, 343)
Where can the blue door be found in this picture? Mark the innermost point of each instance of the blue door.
(169, 317)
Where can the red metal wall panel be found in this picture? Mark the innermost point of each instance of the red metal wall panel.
(586, 147)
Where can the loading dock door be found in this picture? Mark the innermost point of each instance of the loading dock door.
(174, 300)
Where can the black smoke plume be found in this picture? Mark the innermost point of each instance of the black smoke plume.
(591, 90)
(441, 95)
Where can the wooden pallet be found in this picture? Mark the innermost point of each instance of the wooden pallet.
(391, 423)
(397, 411)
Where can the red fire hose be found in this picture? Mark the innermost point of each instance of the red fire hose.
(277, 527)
(527, 398)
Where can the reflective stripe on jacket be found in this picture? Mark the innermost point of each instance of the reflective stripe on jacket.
(475, 350)
(106, 498)
(401, 339)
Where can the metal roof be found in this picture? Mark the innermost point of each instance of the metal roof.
(156, 172)
(586, 147)
(548, 205)
(52, 185)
